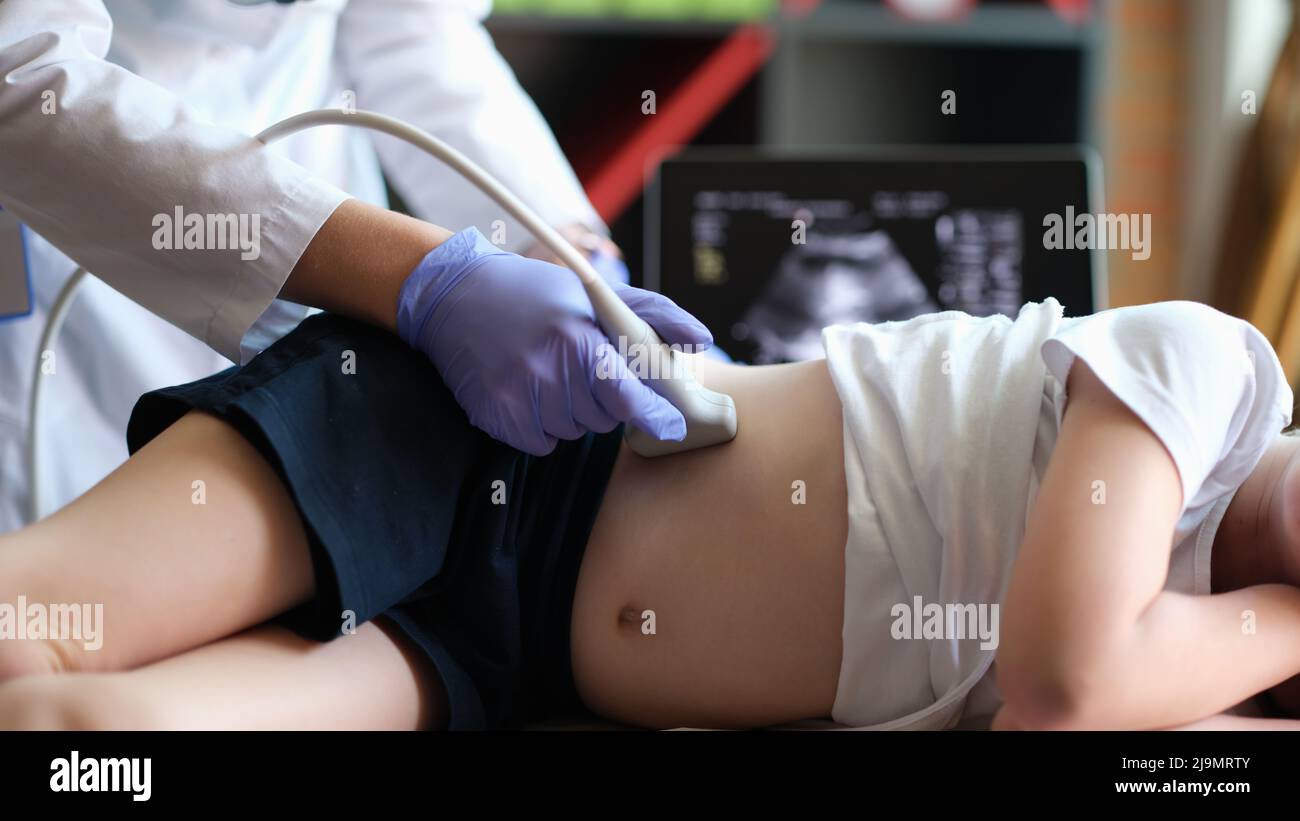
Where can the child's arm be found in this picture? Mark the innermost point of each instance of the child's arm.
(1089, 637)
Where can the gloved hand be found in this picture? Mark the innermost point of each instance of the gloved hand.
(516, 341)
(600, 251)
(613, 269)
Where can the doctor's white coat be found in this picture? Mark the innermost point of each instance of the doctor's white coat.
(114, 112)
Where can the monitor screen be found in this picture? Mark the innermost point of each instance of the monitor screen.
(767, 251)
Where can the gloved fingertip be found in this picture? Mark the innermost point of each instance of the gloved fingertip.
(701, 339)
(688, 331)
(667, 423)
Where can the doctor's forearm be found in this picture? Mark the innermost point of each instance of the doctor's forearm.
(357, 262)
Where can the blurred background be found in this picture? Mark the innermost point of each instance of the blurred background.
(1186, 110)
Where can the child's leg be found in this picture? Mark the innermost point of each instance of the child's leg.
(171, 574)
(266, 678)
(1090, 638)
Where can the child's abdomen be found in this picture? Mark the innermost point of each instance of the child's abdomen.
(712, 589)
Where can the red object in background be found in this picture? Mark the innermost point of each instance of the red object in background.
(618, 181)
(619, 176)
(932, 10)
(617, 173)
(680, 116)
(1072, 11)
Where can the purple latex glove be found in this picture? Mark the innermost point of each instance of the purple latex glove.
(613, 269)
(516, 341)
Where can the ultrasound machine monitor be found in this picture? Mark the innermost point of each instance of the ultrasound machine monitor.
(767, 249)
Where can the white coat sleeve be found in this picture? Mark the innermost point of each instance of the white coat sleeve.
(432, 63)
(91, 155)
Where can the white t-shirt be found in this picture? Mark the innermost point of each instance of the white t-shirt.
(949, 422)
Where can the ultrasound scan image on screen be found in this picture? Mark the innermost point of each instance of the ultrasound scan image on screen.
(767, 266)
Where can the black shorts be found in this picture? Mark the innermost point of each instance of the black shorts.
(466, 545)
